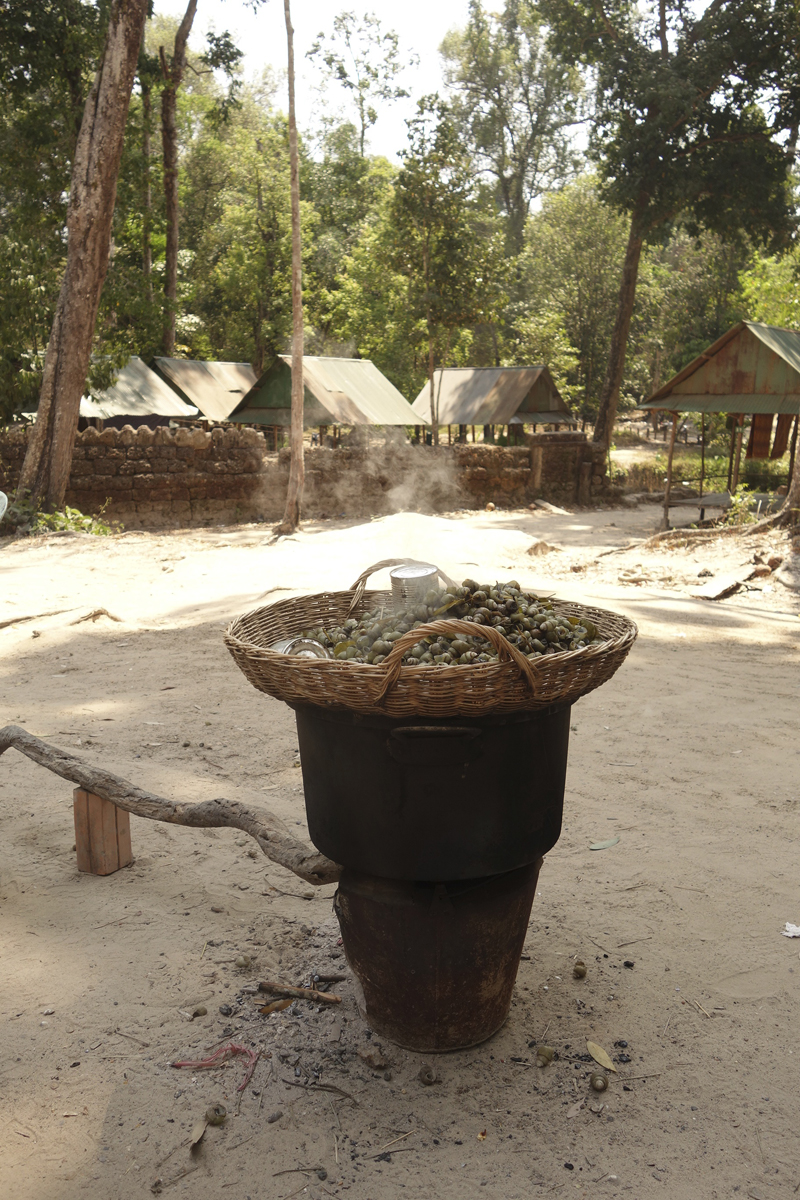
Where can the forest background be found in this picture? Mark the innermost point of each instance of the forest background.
(496, 238)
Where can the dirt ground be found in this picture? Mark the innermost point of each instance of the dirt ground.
(689, 755)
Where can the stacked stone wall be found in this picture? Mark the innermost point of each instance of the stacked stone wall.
(180, 477)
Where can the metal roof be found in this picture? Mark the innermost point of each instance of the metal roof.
(752, 368)
(215, 387)
(137, 392)
(345, 391)
(493, 396)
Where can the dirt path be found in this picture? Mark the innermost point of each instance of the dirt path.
(689, 755)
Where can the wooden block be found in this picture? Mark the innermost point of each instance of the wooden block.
(102, 834)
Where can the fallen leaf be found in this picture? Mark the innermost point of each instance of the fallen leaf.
(599, 1055)
(482, 1136)
(575, 1109)
(198, 1130)
(604, 845)
(276, 1006)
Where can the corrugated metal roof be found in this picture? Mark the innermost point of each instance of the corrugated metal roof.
(345, 391)
(741, 402)
(215, 387)
(491, 395)
(138, 392)
(752, 368)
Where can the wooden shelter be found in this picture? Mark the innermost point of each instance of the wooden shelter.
(214, 387)
(752, 370)
(493, 396)
(337, 391)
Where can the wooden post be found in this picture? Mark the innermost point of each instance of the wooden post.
(669, 469)
(793, 450)
(102, 834)
(702, 453)
(738, 452)
(730, 455)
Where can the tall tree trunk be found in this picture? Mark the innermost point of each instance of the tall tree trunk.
(93, 191)
(294, 492)
(609, 397)
(434, 413)
(173, 76)
(147, 198)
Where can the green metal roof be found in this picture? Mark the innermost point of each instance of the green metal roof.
(752, 368)
(337, 391)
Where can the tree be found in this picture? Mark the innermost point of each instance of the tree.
(220, 54)
(690, 110)
(172, 71)
(346, 190)
(574, 248)
(47, 57)
(517, 103)
(444, 244)
(294, 492)
(45, 470)
(241, 270)
(366, 62)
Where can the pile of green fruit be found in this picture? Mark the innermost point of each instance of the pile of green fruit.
(528, 622)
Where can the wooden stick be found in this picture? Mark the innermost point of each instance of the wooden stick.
(669, 469)
(267, 829)
(299, 993)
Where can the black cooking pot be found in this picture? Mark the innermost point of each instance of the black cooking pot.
(426, 799)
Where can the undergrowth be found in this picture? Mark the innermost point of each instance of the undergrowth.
(22, 517)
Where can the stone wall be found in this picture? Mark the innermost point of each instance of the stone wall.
(178, 477)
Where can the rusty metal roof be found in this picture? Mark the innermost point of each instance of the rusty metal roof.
(137, 392)
(493, 396)
(215, 387)
(344, 391)
(752, 368)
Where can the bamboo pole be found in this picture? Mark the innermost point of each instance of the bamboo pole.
(669, 469)
(702, 453)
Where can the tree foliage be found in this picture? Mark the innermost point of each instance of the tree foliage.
(517, 103)
(365, 61)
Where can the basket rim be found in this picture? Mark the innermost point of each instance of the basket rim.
(545, 663)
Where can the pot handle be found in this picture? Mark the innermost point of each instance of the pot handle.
(390, 667)
(360, 585)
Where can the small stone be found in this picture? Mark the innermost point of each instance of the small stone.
(629, 963)
(216, 908)
(273, 1117)
(199, 1010)
(225, 1010)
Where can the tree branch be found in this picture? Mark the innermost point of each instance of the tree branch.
(267, 829)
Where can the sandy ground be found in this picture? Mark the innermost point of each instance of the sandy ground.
(689, 755)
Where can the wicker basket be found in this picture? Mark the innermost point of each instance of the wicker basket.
(513, 683)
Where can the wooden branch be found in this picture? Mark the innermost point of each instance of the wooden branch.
(299, 993)
(717, 531)
(267, 829)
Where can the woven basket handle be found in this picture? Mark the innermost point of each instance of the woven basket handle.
(360, 585)
(390, 667)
